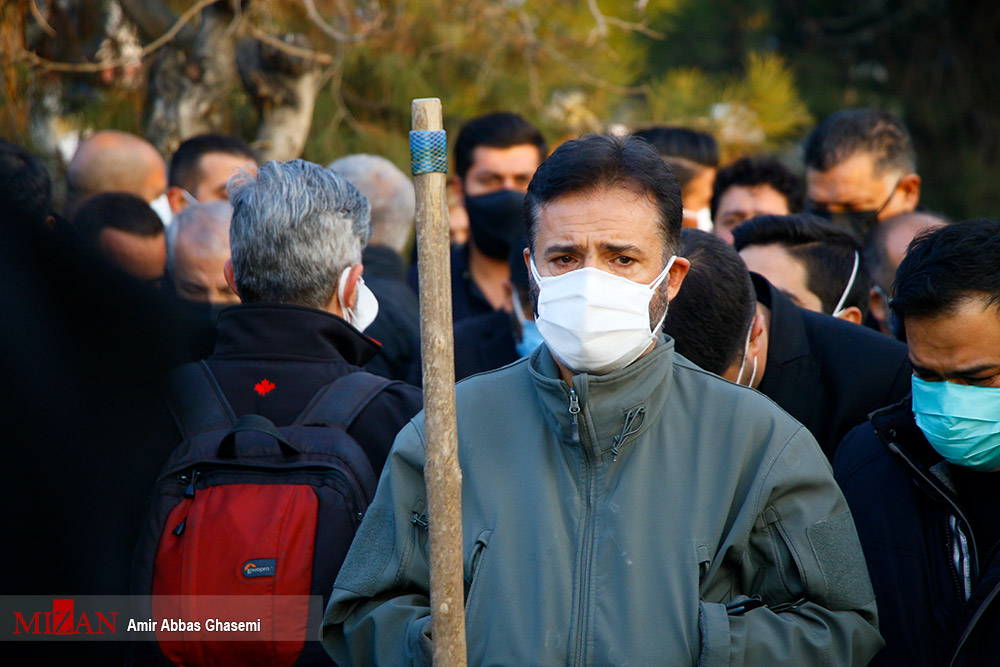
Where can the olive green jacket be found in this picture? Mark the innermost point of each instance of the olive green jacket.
(622, 520)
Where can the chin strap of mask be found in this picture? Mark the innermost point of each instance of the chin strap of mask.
(850, 285)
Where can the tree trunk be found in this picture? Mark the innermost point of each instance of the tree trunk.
(190, 82)
(283, 88)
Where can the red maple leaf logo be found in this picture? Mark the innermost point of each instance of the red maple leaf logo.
(263, 387)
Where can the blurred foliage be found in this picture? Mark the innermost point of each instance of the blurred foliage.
(756, 73)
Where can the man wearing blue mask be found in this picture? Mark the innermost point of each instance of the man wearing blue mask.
(619, 504)
(922, 476)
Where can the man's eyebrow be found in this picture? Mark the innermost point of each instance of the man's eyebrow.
(562, 249)
(961, 373)
(622, 248)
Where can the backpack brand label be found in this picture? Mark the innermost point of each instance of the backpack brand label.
(260, 567)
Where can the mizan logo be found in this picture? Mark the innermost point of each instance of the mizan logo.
(62, 621)
(260, 567)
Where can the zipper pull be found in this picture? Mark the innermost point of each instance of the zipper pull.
(180, 527)
(574, 410)
(189, 491)
(418, 519)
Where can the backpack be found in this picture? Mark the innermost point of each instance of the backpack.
(243, 508)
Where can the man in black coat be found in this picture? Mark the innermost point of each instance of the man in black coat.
(827, 373)
(297, 234)
(922, 476)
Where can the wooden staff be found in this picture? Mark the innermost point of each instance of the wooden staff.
(442, 475)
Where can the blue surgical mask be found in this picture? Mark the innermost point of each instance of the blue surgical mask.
(960, 421)
(530, 338)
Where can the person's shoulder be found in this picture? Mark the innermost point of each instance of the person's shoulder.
(513, 376)
(858, 338)
(858, 451)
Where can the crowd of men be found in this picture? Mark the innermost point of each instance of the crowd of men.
(709, 413)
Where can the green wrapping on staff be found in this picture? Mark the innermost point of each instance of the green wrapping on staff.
(428, 152)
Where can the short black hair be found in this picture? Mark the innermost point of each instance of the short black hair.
(184, 163)
(496, 130)
(762, 170)
(851, 131)
(711, 314)
(595, 161)
(25, 186)
(685, 150)
(115, 210)
(827, 251)
(947, 266)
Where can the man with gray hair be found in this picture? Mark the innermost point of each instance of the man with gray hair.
(393, 204)
(197, 252)
(296, 238)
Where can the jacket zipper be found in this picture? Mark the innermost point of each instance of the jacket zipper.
(574, 412)
(586, 556)
(932, 488)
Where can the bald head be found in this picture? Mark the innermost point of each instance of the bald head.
(390, 193)
(888, 243)
(111, 161)
(197, 251)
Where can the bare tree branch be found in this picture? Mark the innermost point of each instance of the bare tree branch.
(290, 49)
(156, 44)
(338, 35)
(152, 18)
(33, 7)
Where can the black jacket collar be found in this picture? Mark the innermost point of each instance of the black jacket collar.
(263, 330)
(787, 325)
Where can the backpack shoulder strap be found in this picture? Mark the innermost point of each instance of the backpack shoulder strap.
(340, 402)
(197, 402)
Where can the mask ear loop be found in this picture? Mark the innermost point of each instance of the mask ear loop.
(850, 284)
(746, 351)
(341, 286)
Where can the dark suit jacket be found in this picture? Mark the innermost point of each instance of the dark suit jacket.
(827, 373)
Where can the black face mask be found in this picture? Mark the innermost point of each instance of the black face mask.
(859, 222)
(495, 221)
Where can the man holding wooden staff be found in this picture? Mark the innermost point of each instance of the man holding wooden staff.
(619, 504)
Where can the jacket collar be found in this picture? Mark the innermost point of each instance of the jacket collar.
(605, 400)
(284, 331)
(787, 324)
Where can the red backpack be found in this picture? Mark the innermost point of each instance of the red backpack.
(243, 508)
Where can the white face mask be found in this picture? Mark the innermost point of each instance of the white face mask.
(594, 321)
(746, 351)
(161, 207)
(366, 309)
(702, 217)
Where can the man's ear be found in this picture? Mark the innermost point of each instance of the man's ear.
(850, 314)
(879, 309)
(351, 288)
(227, 271)
(909, 185)
(756, 335)
(175, 197)
(676, 276)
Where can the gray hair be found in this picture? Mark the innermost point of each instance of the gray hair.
(296, 227)
(205, 225)
(390, 193)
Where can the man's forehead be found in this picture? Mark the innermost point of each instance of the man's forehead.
(614, 215)
(519, 158)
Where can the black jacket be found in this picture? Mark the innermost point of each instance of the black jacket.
(922, 554)
(467, 300)
(828, 373)
(484, 343)
(296, 351)
(397, 326)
